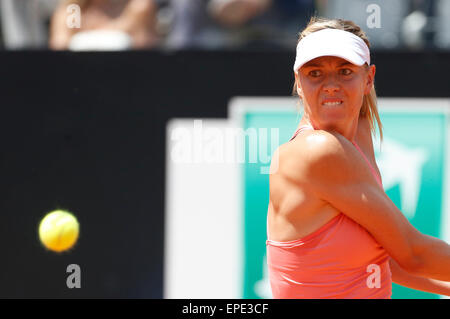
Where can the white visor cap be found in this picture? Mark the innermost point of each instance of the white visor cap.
(332, 42)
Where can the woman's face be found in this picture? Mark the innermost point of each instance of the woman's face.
(332, 90)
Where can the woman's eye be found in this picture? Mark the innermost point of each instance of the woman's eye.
(315, 73)
(346, 71)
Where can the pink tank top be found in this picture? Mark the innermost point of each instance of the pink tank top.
(339, 260)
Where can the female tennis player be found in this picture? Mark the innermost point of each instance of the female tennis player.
(332, 230)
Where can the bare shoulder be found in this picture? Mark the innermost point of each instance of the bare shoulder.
(318, 144)
(315, 152)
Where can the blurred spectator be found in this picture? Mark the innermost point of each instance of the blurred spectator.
(381, 20)
(214, 24)
(25, 23)
(235, 13)
(104, 25)
(442, 24)
(418, 27)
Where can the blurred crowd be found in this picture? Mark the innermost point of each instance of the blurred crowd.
(213, 24)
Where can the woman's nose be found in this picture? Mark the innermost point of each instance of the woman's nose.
(331, 86)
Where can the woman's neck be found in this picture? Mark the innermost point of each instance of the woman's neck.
(349, 133)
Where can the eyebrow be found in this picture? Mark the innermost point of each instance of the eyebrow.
(315, 65)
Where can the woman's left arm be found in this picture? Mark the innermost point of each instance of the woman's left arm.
(403, 278)
(399, 275)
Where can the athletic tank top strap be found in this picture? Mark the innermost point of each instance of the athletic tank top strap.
(300, 129)
(374, 172)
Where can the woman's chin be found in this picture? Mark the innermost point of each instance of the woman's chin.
(332, 124)
(334, 118)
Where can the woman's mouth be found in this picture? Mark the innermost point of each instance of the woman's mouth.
(332, 103)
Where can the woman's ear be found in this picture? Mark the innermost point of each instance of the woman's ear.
(370, 79)
(299, 91)
(297, 86)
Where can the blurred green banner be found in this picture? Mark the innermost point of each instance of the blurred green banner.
(412, 162)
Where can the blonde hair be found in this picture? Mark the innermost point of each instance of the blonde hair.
(369, 108)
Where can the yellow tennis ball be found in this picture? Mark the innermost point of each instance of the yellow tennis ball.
(58, 230)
